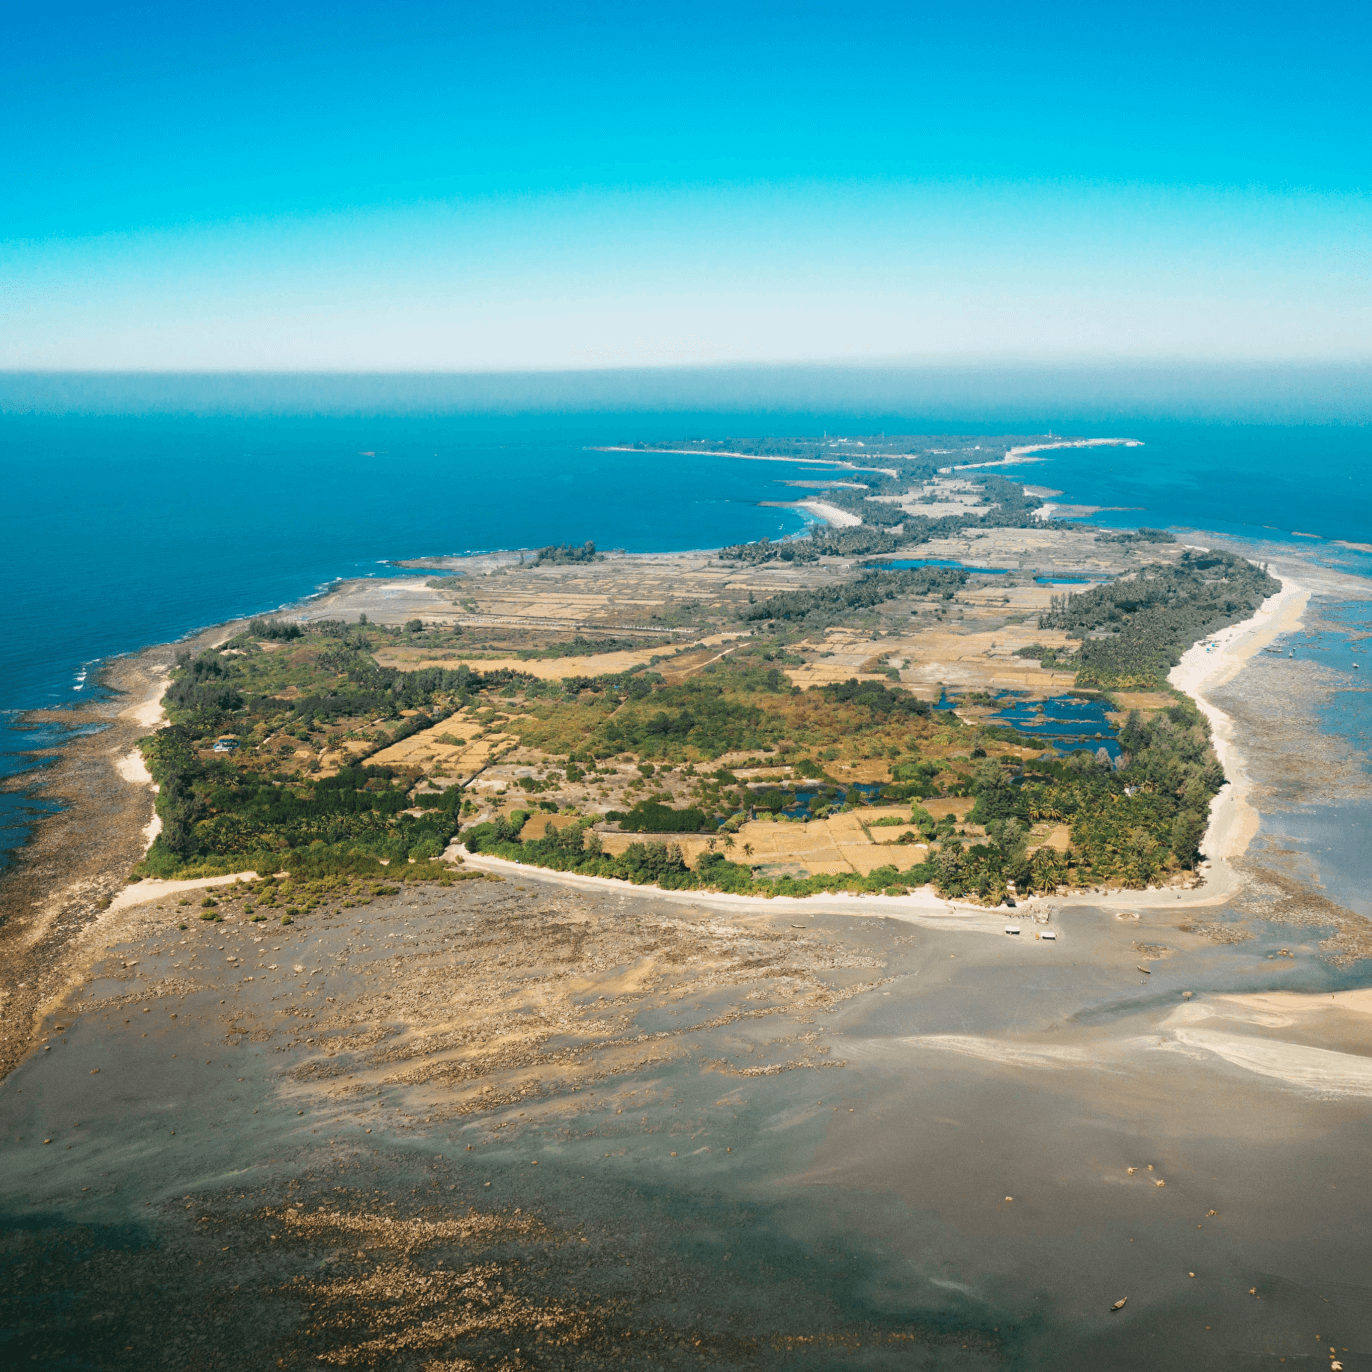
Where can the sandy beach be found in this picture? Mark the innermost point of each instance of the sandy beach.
(1211, 664)
(830, 514)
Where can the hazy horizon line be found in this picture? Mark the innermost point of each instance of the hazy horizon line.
(947, 390)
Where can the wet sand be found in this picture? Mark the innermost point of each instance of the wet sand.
(495, 1128)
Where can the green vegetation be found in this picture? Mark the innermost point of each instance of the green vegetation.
(1138, 536)
(274, 629)
(725, 709)
(652, 817)
(849, 542)
(834, 604)
(583, 647)
(1133, 631)
(881, 701)
(1061, 658)
(558, 554)
(287, 704)
(1130, 826)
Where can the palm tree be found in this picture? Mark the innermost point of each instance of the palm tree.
(728, 841)
(747, 850)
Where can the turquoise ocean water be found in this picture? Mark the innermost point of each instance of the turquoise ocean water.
(125, 530)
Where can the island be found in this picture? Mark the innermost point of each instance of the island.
(989, 720)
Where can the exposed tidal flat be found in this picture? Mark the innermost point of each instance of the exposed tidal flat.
(449, 1126)
(516, 1123)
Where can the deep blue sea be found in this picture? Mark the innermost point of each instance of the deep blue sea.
(125, 530)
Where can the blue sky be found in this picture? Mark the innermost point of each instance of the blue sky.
(526, 186)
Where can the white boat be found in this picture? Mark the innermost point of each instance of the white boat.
(1050, 934)
(1012, 928)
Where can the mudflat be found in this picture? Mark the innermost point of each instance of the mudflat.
(508, 1124)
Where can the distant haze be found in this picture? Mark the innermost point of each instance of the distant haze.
(544, 187)
(759, 399)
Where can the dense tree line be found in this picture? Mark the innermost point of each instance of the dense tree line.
(557, 554)
(1133, 631)
(829, 604)
(276, 629)
(580, 646)
(1130, 823)
(212, 810)
(653, 817)
(820, 542)
(875, 696)
(221, 807)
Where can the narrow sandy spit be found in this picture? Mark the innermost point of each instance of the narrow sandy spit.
(830, 514)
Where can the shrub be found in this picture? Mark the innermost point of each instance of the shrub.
(652, 817)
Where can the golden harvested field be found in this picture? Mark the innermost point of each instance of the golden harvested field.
(841, 843)
(676, 663)
(1143, 701)
(456, 760)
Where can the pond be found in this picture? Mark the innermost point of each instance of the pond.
(1066, 723)
(906, 564)
(810, 796)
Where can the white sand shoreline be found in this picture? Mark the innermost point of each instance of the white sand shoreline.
(829, 514)
(923, 906)
(1211, 664)
(151, 714)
